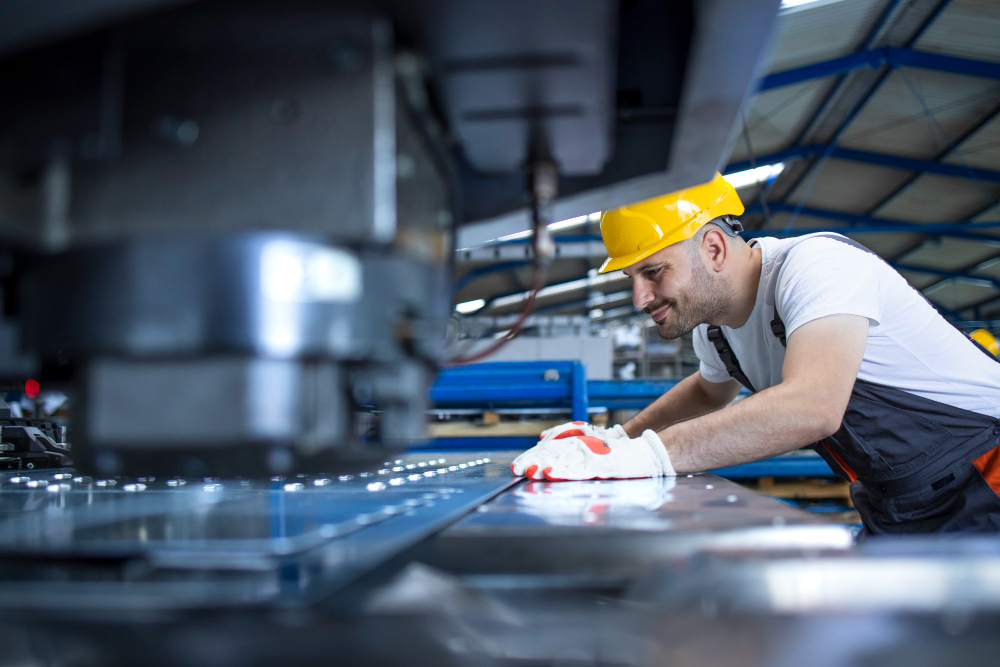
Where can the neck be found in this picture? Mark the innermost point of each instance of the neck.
(746, 278)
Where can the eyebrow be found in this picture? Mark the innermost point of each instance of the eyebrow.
(648, 267)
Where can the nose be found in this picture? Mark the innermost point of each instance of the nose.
(642, 294)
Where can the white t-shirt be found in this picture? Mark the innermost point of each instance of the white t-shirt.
(910, 346)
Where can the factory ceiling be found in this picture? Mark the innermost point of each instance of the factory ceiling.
(879, 119)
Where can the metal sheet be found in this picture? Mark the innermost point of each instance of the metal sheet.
(167, 543)
(621, 527)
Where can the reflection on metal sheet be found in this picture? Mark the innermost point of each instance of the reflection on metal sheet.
(216, 541)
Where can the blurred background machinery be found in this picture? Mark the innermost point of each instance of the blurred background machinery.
(228, 227)
(231, 238)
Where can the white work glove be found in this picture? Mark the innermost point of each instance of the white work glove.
(589, 457)
(620, 503)
(570, 429)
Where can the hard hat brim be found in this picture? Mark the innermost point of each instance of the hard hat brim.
(617, 263)
(620, 262)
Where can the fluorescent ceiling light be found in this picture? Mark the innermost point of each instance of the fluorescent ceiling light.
(511, 237)
(795, 5)
(555, 226)
(742, 179)
(601, 299)
(470, 306)
(559, 289)
(616, 312)
(575, 222)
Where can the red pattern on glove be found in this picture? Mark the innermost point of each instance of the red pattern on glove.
(595, 445)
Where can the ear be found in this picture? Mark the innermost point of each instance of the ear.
(715, 250)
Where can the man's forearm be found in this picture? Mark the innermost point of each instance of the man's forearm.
(771, 422)
(683, 401)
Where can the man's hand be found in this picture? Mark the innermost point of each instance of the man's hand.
(578, 428)
(590, 457)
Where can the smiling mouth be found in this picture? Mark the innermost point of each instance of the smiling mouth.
(658, 315)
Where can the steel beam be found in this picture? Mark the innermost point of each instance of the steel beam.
(869, 40)
(874, 58)
(980, 124)
(906, 252)
(945, 273)
(868, 157)
(866, 224)
(860, 104)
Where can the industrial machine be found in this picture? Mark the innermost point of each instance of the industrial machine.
(227, 226)
(226, 230)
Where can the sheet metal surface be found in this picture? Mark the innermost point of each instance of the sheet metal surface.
(67, 540)
(620, 527)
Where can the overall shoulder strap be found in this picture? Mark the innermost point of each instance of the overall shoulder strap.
(728, 357)
(778, 327)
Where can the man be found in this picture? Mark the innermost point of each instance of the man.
(838, 349)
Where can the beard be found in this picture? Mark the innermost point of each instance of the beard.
(707, 299)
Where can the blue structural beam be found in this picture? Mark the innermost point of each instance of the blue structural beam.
(842, 65)
(945, 273)
(859, 224)
(864, 224)
(875, 58)
(834, 95)
(868, 157)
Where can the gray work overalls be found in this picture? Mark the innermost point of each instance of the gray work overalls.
(912, 461)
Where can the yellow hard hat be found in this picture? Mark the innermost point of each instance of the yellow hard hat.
(636, 231)
(987, 340)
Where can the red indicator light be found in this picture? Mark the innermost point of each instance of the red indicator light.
(31, 388)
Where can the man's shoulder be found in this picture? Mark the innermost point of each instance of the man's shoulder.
(822, 253)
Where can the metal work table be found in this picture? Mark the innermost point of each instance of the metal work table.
(184, 543)
(442, 559)
(624, 526)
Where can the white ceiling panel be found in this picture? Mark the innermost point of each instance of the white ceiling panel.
(967, 28)
(982, 149)
(810, 34)
(991, 214)
(849, 186)
(951, 254)
(956, 293)
(885, 245)
(990, 268)
(895, 120)
(919, 280)
(934, 198)
(775, 117)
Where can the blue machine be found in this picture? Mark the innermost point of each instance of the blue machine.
(564, 384)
